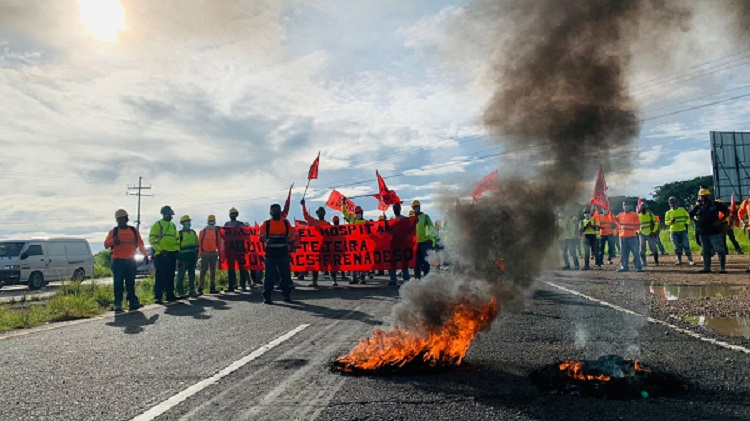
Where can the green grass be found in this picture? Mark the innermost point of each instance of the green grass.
(740, 235)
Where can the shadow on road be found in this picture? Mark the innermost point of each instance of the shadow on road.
(488, 385)
(196, 308)
(334, 314)
(133, 322)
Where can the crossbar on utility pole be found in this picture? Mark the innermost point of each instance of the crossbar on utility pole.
(140, 187)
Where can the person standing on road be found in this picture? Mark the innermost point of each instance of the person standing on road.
(357, 218)
(165, 241)
(710, 227)
(647, 234)
(569, 241)
(188, 258)
(678, 221)
(589, 228)
(232, 261)
(607, 228)
(124, 240)
(278, 236)
(627, 227)
(208, 246)
(405, 271)
(425, 242)
(320, 222)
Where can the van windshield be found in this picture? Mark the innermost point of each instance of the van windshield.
(11, 248)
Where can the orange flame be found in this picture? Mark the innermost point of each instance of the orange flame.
(574, 369)
(446, 345)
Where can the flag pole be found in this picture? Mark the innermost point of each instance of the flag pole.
(305, 193)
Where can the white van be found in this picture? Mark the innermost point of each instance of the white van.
(36, 262)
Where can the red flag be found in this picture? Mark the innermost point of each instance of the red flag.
(638, 206)
(386, 197)
(336, 199)
(287, 204)
(600, 192)
(490, 182)
(313, 173)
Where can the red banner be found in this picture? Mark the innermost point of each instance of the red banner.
(382, 245)
(336, 199)
(490, 182)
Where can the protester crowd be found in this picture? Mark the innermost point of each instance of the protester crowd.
(181, 250)
(634, 231)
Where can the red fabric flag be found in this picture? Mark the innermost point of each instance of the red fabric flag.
(386, 197)
(313, 173)
(336, 199)
(638, 206)
(490, 182)
(287, 204)
(600, 192)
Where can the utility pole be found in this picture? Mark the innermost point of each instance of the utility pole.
(140, 187)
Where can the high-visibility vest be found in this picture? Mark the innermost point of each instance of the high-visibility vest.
(163, 236)
(627, 224)
(647, 223)
(589, 226)
(677, 219)
(188, 244)
(209, 239)
(607, 224)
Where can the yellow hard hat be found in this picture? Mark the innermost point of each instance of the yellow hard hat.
(381, 218)
(211, 218)
(234, 211)
(185, 218)
(719, 200)
(119, 213)
(437, 224)
(415, 202)
(704, 192)
(412, 213)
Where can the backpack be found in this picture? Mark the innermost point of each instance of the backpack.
(286, 225)
(116, 234)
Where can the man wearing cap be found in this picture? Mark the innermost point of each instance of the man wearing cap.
(188, 258)
(357, 218)
(405, 271)
(319, 222)
(124, 240)
(710, 228)
(208, 247)
(278, 236)
(425, 242)
(678, 221)
(232, 260)
(647, 234)
(165, 241)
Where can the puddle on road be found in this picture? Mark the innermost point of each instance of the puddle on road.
(679, 292)
(728, 326)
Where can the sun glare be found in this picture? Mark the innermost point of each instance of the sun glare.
(103, 18)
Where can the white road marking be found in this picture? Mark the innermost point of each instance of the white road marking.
(192, 390)
(652, 320)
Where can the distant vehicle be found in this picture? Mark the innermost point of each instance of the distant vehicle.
(36, 262)
(144, 269)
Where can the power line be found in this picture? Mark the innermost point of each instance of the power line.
(645, 82)
(140, 194)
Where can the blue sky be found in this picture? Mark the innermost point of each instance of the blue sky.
(222, 107)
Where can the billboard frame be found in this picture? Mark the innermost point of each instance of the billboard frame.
(730, 161)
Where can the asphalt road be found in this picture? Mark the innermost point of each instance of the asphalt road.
(234, 358)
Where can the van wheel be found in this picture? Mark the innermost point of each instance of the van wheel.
(79, 275)
(36, 281)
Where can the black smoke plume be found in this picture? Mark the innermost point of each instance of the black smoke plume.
(562, 97)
